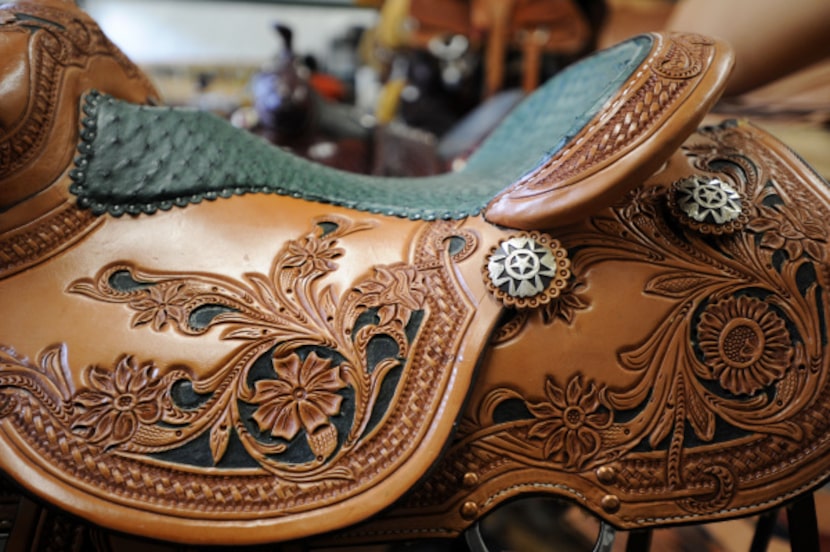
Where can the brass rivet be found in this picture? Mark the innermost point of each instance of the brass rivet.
(469, 510)
(610, 503)
(607, 474)
(470, 480)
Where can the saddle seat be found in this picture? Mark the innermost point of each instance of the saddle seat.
(210, 341)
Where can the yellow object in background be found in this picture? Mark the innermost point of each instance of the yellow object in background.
(389, 100)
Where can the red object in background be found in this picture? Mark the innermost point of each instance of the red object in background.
(328, 87)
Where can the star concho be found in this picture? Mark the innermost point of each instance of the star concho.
(527, 270)
(708, 205)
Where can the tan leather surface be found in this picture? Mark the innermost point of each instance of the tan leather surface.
(651, 115)
(48, 62)
(262, 368)
(205, 254)
(675, 417)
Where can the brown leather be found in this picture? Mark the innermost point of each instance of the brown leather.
(54, 54)
(648, 119)
(264, 368)
(640, 393)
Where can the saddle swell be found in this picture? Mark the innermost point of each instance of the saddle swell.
(206, 352)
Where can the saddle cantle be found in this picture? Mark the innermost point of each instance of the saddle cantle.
(209, 341)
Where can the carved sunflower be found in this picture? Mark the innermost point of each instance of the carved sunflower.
(745, 344)
(305, 396)
(569, 422)
(118, 402)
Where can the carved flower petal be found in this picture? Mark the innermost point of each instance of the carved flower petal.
(555, 395)
(286, 422)
(794, 249)
(555, 443)
(574, 391)
(772, 240)
(148, 412)
(159, 319)
(265, 416)
(313, 369)
(585, 444)
(123, 374)
(598, 420)
(590, 399)
(123, 428)
(311, 416)
(139, 379)
(92, 399)
(266, 391)
(100, 379)
(101, 426)
(288, 368)
(544, 410)
(150, 391)
(325, 380)
(762, 224)
(545, 428)
(814, 250)
(329, 403)
(144, 315)
(92, 417)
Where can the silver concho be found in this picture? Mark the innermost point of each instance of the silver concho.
(708, 205)
(527, 270)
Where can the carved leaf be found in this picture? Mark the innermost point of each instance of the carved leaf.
(609, 226)
(328, 303)
(675, 284)
(662, 429)
(85, 286)
(263, 291)
(53, 362)
(220, 435)
(700, 418)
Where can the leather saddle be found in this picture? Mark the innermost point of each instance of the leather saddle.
(206, 340)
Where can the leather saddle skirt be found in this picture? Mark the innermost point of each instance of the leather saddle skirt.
(209, 341)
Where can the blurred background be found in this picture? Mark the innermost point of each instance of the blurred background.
(406, 87)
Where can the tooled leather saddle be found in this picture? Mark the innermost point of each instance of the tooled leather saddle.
(206, 340)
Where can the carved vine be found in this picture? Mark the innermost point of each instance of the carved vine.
(304, 352)
(738, 354)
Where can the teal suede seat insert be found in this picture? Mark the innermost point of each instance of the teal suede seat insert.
(138, 159)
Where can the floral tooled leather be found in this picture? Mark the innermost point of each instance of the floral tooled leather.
(267, 367)
(688, 381)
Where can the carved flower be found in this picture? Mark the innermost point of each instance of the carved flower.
(304, 396)
(396, 288)
(118, 401)
(794, 234)
(745, 344)
(311, 255)
(162, 304)
(569, 423)
(565, 306)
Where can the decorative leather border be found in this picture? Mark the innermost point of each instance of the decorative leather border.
(708, 430)
(31, 244)
(115, 441)
(656, 109)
